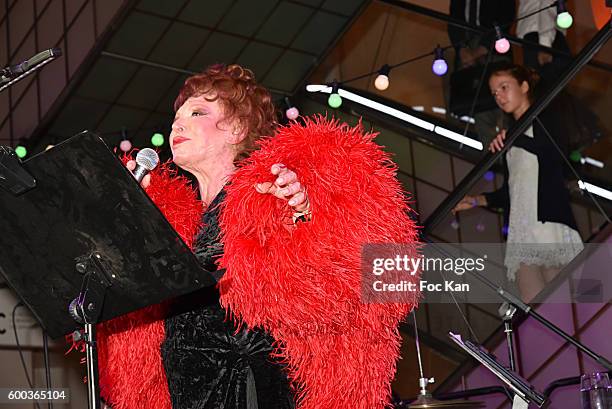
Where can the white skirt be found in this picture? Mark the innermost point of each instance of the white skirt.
(531, 241)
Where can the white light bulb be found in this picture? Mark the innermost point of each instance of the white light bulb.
(381, 82)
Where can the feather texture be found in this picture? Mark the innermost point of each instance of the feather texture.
(302, 283)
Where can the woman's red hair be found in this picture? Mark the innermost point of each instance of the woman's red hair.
(245, 103)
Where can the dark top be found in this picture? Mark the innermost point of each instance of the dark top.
(553, 196)
(208, 364)
(501, 12)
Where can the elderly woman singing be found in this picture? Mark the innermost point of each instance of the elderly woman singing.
(281, 219)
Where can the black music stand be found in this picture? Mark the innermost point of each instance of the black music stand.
(87, 244)
(524, 392)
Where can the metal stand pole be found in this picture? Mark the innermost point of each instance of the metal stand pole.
(93, 383)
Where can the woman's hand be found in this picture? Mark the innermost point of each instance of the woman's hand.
(286, 187)
(498, 143)
(146, 180)
(469, 202)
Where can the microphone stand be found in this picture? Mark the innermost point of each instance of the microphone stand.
(14, 73)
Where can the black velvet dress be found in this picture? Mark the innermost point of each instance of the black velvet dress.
(208, 364)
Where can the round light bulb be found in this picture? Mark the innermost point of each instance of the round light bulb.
(292, 113)
(381, 82)
(21, 151)
(502, 45)
(125, 145)
(575, 156)
(157, 139)
(334, 100)
(564, 20)
(489, 176)
(439, 67)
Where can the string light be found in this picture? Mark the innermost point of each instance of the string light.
(125, 145)
(564, 18)
(21, 151)
(439, 67)
(292, 112)
(334, 99)
(381, 82)
(157, 139)
(502, 45)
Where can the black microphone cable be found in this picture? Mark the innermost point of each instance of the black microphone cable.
(25, 369)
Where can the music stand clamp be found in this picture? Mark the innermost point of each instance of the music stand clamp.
(86, 309)
(507, 312)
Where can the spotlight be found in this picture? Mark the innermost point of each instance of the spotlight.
(381, 82)
(157, 139)
(291, 112)
(334, 99)
(502, 45)
(564, 18)
(439, 66)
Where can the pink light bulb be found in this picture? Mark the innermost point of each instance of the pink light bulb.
(502, 45)
(292, 113)
(125, 145)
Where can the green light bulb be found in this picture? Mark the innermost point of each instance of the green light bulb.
(157, 139)
(564, 20)
(575, 156)
(21, 151)
(334, 100)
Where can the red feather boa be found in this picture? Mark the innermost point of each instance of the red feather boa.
(303, 284)
(130, 364)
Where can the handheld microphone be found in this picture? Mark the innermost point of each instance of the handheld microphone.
(146, 160)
